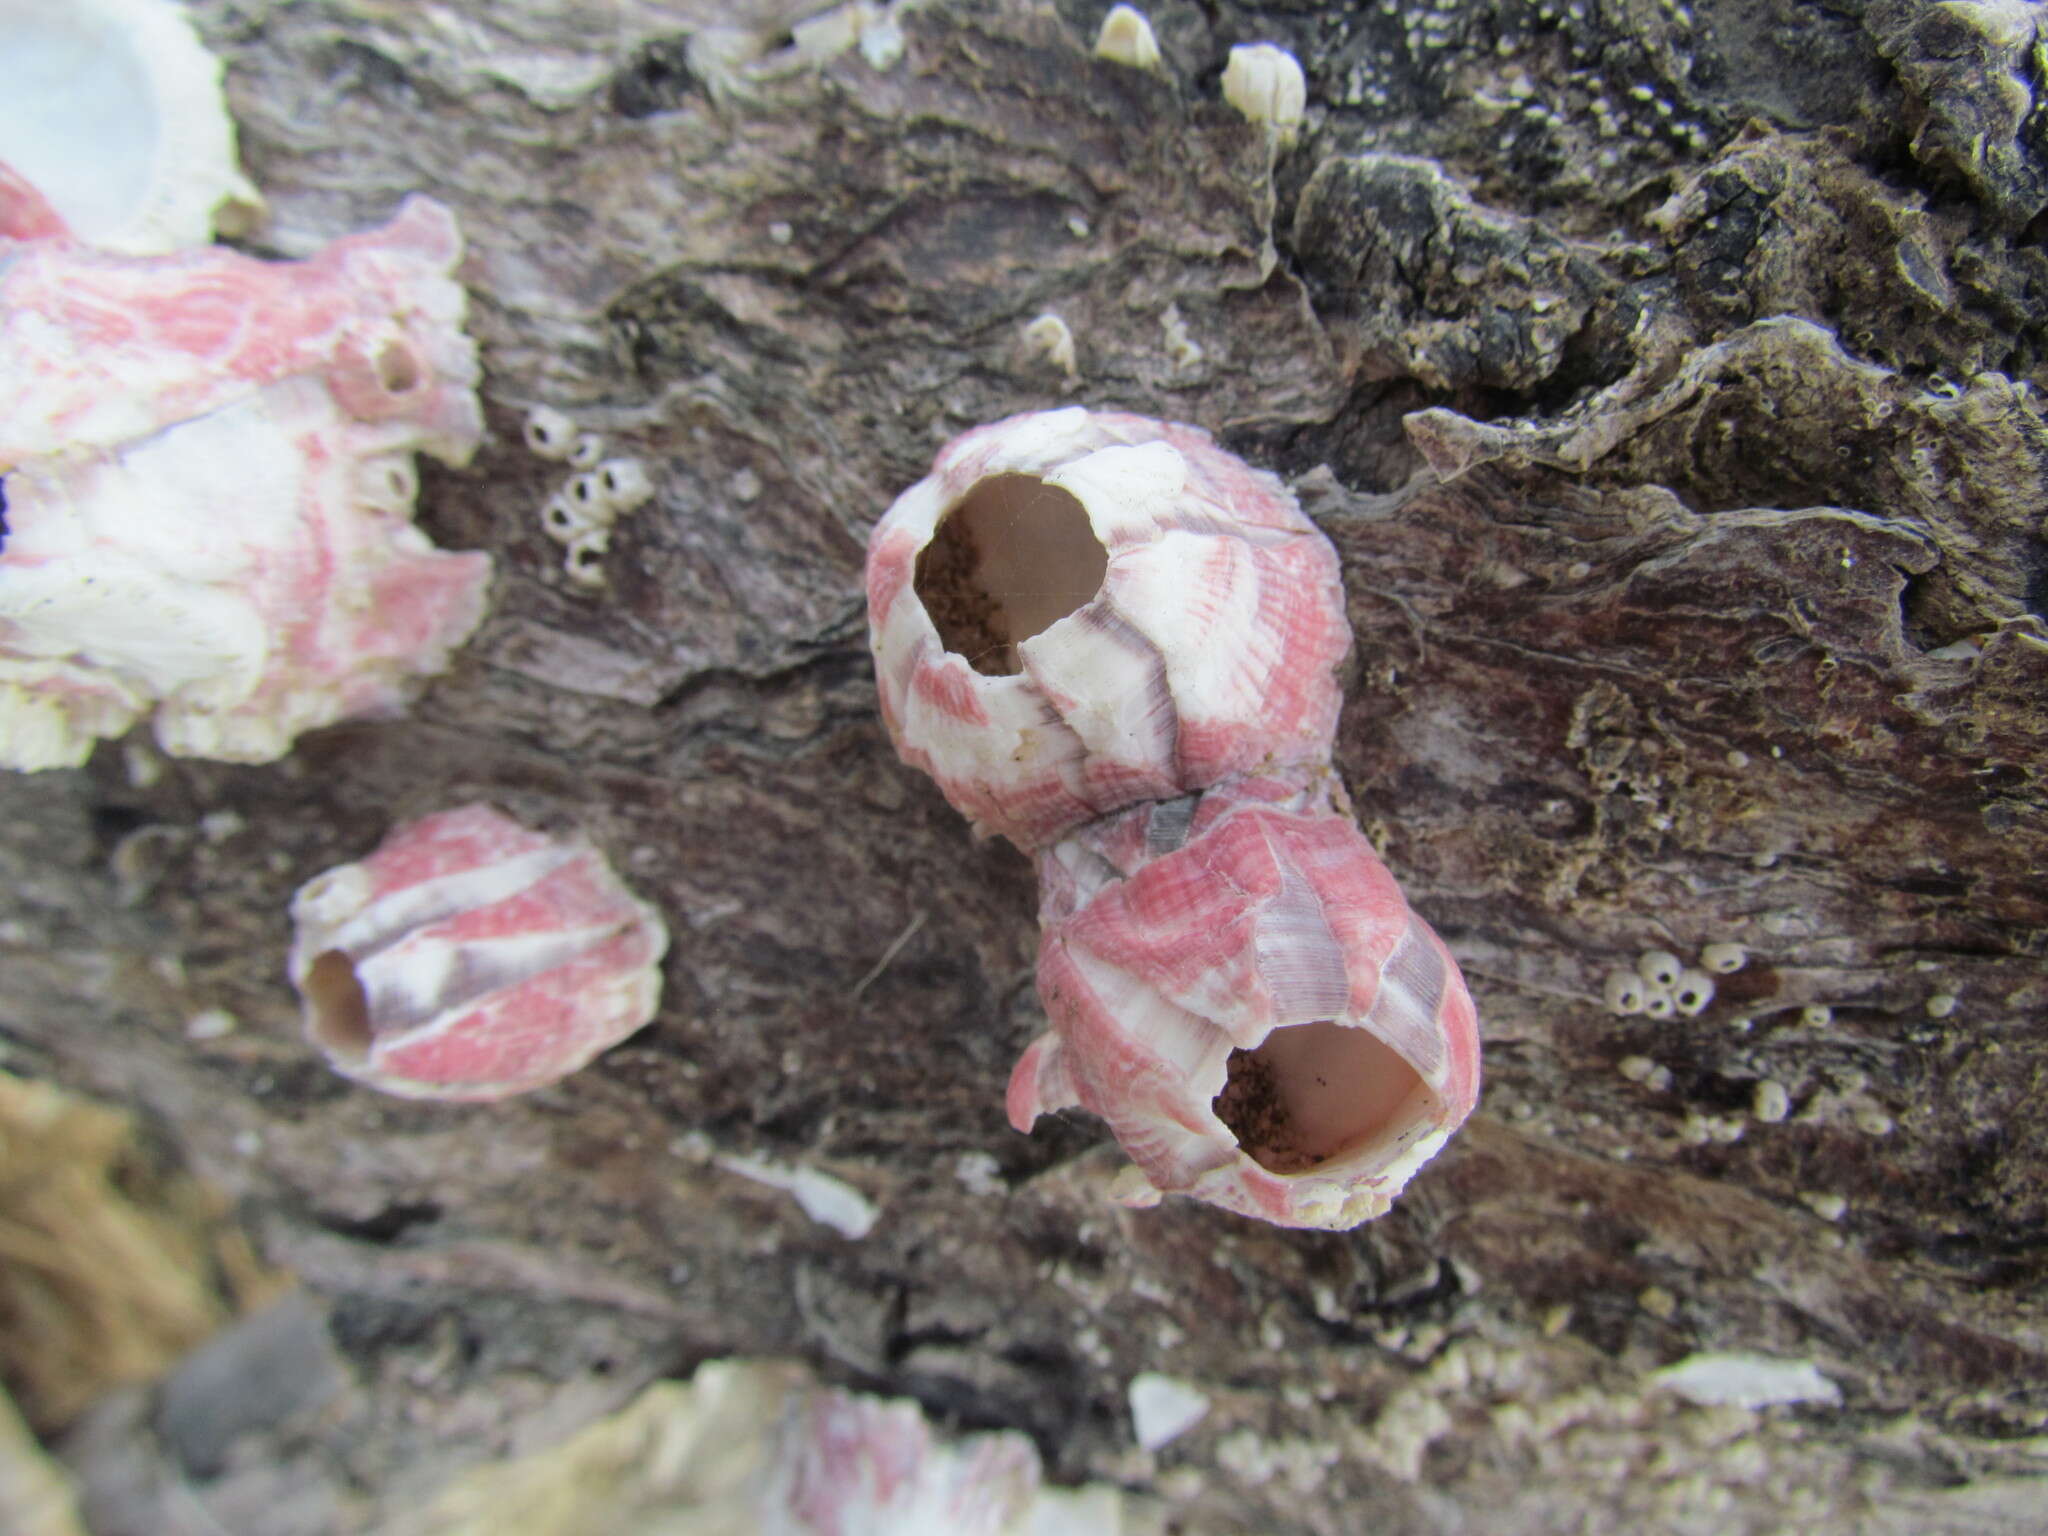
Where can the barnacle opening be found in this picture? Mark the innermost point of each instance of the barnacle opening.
(1312, 1092)
(398, 370)
(1011, 560)
(337, 1009)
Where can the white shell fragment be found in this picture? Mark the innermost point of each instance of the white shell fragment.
(1736, 1379)
(1126, 38)
(209, 488)
(113, 130)
(829, 1201)
(470, 958)
(1163, 1409)
(1265, 83)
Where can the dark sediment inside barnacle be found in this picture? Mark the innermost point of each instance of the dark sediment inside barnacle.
(337, 1010)
(1312, 1092)
(1012, 559)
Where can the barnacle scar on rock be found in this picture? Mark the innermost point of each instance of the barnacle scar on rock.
(1079, 610)
(1236, 984)
(470, 958)
(1115, 644)
(113, 130)
(209, 484)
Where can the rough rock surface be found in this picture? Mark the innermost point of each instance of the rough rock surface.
(1670, 379)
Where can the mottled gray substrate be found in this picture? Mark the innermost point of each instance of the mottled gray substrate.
(1669, 380)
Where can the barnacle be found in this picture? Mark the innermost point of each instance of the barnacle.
(470, 958)
(1237, 986)
(1115, 644)
(1079, 611)
(209, 486)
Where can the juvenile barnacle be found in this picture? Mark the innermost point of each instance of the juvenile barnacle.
(1658, 1003)
(587, 452)
(1080, 610)
(1625, 992)
(1691, 992)
(624, 484)
(1265, 83)
(1235, 983)
(470, 958)
(1723, 959)
(1126, 38)
(1659, 967)
(549, 433)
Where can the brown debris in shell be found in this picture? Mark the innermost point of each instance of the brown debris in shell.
(1256, 1111)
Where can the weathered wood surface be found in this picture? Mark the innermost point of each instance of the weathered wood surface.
(1726, 330)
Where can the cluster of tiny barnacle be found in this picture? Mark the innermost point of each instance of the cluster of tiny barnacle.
(579, 516)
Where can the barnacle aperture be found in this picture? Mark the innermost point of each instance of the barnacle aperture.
(1011, 560)
(1312, 1092)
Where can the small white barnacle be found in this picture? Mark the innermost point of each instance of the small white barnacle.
(1723, 959)
(1050, 337)
(549, 433)
(1635, 1068)
(585, 559)
(1770, 1102)
(1659, 967)
(561, 521)
(1126, 38)
(1692, 992)
(1265, 83)
(1941, 1005)
(1658, 1003)
(585, 493)
(624, 484)
(587, 451)
(1816, 1015)
(1625, 992)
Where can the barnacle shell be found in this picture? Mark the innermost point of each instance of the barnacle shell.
(112, 127)
(1236, 984)
(1078, 611)
(209, 485)
(469, 958)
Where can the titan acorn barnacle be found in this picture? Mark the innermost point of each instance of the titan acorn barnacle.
(1077, 611)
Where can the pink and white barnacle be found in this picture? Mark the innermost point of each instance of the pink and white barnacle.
(469, 958)
(1077, 611)
(1238, 987)
(209, 481)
